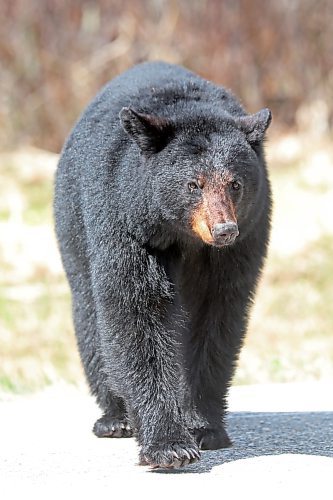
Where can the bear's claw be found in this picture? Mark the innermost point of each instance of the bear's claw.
(112, 427)
(169, 456)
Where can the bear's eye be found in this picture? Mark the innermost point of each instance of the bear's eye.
(236, 185)
(192, 186)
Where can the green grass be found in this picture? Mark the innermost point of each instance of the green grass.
(290, 332)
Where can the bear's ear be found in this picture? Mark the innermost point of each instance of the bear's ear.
(255, 126)
(150, 132)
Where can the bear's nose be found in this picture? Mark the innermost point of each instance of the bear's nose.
(225, 234)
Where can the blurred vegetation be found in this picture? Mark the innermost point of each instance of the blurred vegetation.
(290, 335)
(37, 345)
(55, 55)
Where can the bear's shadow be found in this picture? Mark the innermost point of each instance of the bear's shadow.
(259, 434)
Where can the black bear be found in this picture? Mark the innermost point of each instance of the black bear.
(162, 208)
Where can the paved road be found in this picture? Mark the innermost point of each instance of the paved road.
(47, 448)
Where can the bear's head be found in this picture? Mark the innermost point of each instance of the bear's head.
(206, 171)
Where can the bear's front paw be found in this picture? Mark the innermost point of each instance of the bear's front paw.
(112, 427)
(171, 455)
(211, 439)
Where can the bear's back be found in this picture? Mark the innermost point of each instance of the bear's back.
(154, 87)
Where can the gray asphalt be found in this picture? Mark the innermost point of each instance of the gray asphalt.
(47, 448)
(260, 434)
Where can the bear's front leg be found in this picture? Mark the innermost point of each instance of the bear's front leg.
(132, 298)
(216, 334)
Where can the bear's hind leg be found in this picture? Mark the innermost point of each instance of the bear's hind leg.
(114, 423)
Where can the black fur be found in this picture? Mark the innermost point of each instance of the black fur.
(160, 315)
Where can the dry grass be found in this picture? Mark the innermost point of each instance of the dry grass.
(38, 346)
(290, 335)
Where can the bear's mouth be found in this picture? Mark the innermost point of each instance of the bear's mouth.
(226, 243)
